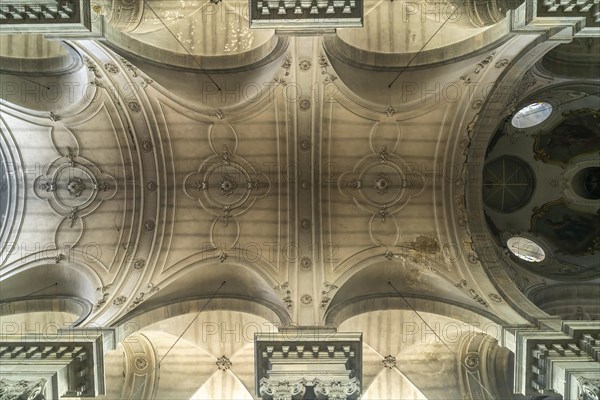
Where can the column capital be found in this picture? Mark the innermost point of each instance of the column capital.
(295, 360)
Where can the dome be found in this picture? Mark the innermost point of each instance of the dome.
(540, 185)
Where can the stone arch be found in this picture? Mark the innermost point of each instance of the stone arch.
(63, 279)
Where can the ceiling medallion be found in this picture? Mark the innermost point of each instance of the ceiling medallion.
(75, 186)
(306, 299)
(223, 363)
(134, 106)
(305, 144)
(305, 262)
(304, 65)
(305, 224)
(304, 104)
(151, 186)
(228, 185)
(389, 361)
(139, 263)
(141, 363)
(382, 184)
(472, 361)
(149, 225)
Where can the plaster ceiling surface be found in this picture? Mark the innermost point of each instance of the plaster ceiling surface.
(285, 185)
(214, 359)
(406, 27)
(305, 180)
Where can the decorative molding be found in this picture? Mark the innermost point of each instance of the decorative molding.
(328, 361)
(338, 390)
(324, 64)
(326, 298)
(304, 64)
(538, 350)
(119, 300)
(22, 389)
(140, 363)
(382, 184)
(112, 68)
(147, 146)
(134, 106)
(503, 62)
(306, 262)
(286, 65)
(70, 360)
(140, 298)
(305, 144)
(389, 362)
(149, 225)
(92, 67)
(139, 264)
(589, 389)
(495, 297)
(151, 186)
(287, 299)
(223, 363)
(468, 78)
(282, 389)
(471, 361)
(474, 295)
(304, 104)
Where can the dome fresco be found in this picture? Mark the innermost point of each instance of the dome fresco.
(536, 197)
(578, 133)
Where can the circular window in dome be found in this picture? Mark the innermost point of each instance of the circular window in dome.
(508, 184)
(525, 249)
(531, 115)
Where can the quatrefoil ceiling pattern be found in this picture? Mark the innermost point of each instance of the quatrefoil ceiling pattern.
(382, 183)
(226, 185)
(74, 187)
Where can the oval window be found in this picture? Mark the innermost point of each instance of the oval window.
(525, 249)
(531, 115)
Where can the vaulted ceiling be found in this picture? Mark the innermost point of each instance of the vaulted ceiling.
(306, 172)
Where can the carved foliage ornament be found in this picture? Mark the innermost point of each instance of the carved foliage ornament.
(22, 389)
(472, 361)
(337, 390)
(223, 363)
(141, 363)
(589, 389)
(389, 361)
(283, 389)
